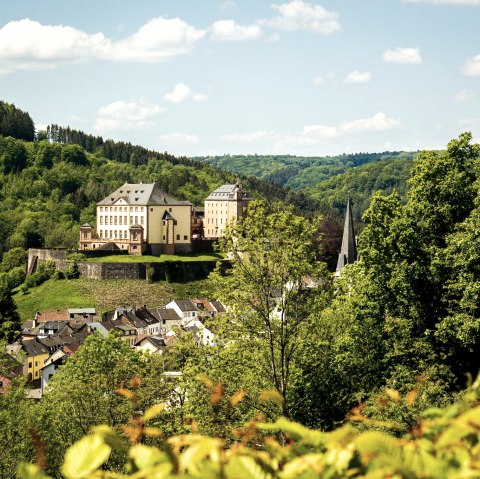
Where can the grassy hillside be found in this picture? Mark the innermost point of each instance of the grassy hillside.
(103, 295)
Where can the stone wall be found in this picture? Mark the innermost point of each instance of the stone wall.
(174, 271)
(40, 255)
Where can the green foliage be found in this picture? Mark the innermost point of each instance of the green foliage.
(272, 251)
(9, 318)
(15, 123)
(13, 258)
(44, 272)
(443, 445)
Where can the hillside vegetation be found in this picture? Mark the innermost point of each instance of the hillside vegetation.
(298, 172)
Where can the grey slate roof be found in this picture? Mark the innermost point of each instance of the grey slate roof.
(218, 306)
(33, 347)
(168, 315)
(185, 305)
(148, 194)
(226, 192)
(348, 252)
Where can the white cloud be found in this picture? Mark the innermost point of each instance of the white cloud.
(228, 30)
(318, 81)
(126, 115)
(320, 131)
(177, 138)
(29, 45)
(446, 2)
(227, 5)
(403, 55)
(358, 77)
(158, 40)
(466, 95)
(314, 136)
(472, 66)
(182, 92)
(300, 15)
(378, 122)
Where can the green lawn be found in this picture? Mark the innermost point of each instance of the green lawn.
(157, 259)
(104, 295)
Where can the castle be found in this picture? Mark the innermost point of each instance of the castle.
(144, 219)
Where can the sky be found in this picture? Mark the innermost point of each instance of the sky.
(214, 77)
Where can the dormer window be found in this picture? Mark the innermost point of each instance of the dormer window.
(136, 199)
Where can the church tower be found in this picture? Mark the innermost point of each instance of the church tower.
(348, 251)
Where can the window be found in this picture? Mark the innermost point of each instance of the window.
(134, 247)
(125, 220)
(115, 209)
(185, 237)
(163, 236)
(101, 220)
(119, 220)
(170, 210)
(178, 237)
(136, 220)
(136, 208)
(30, 364)
(115, 220)
(101, 208)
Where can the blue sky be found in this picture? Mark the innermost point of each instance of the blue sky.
(204, 77)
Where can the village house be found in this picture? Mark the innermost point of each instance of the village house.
(185, 308)
(151, 344)
(140, 218)
(128, 334)
(224, 206)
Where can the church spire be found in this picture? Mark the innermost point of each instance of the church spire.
(348, 251)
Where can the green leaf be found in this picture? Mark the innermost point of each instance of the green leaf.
(146, 457)
(246, 467)
(295, 431)
(308, 463)
(154, 411)
(375, 442)
(85, 456)
(30, 471)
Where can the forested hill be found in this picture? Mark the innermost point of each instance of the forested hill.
(49, 186)
(360, 183)
(298, 172)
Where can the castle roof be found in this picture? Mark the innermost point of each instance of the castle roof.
(229, 192)
(142, 194)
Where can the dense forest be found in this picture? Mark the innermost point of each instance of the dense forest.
(299, 172)
(395, 335)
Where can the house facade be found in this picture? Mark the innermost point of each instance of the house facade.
(223, 206)
(140, 218)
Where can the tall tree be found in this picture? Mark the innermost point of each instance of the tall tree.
(10, 324)
(273, 252)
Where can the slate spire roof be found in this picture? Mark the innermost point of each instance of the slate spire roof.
(348, 252)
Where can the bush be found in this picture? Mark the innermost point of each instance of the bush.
(444, 445)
